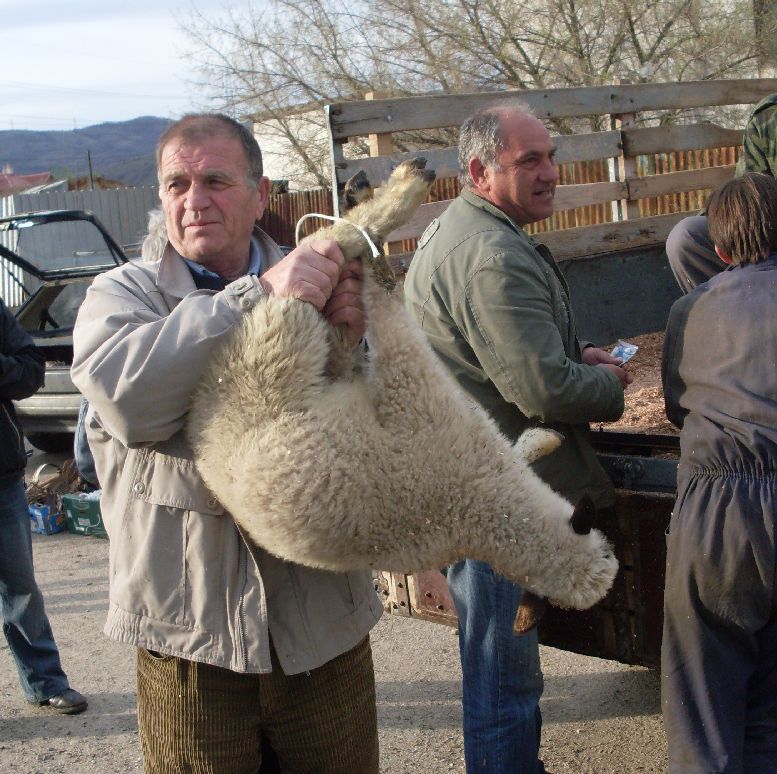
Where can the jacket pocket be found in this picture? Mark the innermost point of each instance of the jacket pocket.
(174, 531)
(174, 482)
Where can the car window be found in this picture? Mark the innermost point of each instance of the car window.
(62, 245)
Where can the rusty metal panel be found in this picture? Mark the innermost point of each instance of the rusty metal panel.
(625, 626)
(430, 598)
(392, 587)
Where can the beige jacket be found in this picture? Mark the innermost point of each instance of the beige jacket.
(182, 581)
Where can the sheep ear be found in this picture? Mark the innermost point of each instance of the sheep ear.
(583, 517)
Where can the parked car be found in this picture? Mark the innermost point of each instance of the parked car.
(52, 257)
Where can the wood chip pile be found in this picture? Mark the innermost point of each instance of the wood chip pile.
(644, 398)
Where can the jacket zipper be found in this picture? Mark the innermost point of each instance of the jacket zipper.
(240, 617)
(19, 442)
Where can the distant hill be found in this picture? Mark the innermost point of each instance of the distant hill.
(122, 150)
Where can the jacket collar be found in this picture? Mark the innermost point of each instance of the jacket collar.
(483, 204)
(174, 277)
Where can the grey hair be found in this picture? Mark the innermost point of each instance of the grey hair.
(480, 137)
(197, 126)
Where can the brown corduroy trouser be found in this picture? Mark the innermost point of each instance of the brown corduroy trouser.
(207, 720)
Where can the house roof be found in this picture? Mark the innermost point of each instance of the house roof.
(12, 183)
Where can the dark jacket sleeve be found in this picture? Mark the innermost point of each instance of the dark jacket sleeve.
(21, 362)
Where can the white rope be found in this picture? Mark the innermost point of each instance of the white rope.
(375, 252)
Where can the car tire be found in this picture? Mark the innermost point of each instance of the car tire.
(52, 442)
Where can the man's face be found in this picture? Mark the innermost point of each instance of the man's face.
(524, 183)
(210, 207)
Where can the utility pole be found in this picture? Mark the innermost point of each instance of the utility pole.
(91, 177)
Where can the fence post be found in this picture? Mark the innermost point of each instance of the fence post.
(624, 209)
(381, 145)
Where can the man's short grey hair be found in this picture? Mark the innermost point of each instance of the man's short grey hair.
(480, 136)
(194, 127)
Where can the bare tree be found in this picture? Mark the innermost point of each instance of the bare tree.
(281, 62)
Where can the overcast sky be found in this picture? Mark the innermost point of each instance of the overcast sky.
(68, 64)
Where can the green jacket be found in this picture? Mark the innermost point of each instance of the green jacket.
(759, 144)
(496, 310)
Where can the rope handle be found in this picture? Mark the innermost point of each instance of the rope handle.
(375, 252)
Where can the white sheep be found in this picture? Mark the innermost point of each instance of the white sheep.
(388, 466)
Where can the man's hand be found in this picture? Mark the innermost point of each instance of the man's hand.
(345, 306)
(594, 356)
(310, 273)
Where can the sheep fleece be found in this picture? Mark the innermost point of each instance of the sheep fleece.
(387, 464)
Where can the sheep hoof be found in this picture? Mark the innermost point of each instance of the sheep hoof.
(583, 518)
(414, 168)
(357, 190)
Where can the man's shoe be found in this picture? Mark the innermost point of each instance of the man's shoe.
(69, 702)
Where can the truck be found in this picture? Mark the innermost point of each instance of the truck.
(634, 160)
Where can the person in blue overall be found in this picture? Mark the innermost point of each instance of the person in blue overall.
(719, 654)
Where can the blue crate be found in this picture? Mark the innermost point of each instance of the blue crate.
(45, 520)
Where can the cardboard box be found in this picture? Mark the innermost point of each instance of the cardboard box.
(83, 515)
(46, 520)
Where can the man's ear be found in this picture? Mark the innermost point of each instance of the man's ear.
(723, 257)
(264, 196)
(479, 174)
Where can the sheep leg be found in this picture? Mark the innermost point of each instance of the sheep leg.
(391, 206)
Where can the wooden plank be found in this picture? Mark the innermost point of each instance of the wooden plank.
(576, 147)
(626, 167)
(666, 139)
(582, 194)
(422, 217)
(349, 119)
(444, 161)
(569, 197)
(380, 144)
(674, 182)
(587, 147)
(586, 241)
(576, 243)
(335, 160)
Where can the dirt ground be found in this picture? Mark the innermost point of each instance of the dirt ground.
(600, 717)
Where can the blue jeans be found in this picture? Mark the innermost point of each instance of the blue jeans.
(502, 677)
(25, 624)
(81, 451)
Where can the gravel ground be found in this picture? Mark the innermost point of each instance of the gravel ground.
(600, 716)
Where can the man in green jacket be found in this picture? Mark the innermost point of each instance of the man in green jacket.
(689, 246)
(496, 309)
